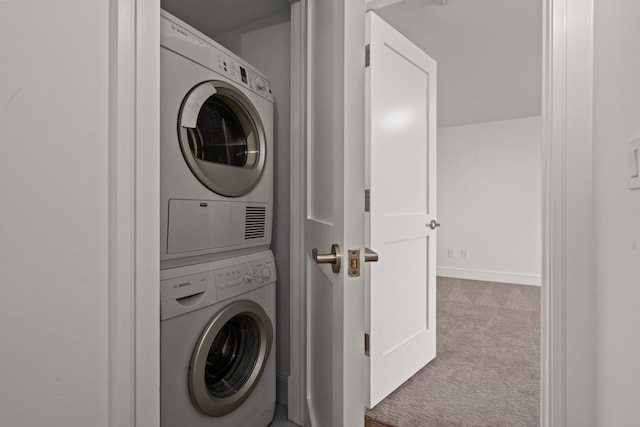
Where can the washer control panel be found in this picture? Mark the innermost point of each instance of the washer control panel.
(188, 288)
(239, 278)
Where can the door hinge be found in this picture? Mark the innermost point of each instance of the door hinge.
(367, 200)
(366, 344)
(367, 56)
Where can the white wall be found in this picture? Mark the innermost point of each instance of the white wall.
(266, 44)
(54, 231)
(617, 211)
(489, 201)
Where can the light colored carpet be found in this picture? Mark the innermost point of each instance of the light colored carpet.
(487, 368)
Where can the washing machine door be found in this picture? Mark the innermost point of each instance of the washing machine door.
(222, 138)
(230, 357)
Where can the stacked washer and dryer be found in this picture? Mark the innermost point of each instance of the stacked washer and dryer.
(217, 289)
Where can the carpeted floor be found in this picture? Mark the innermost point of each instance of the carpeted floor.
(487, 368)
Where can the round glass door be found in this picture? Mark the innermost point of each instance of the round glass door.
(229, 358)
(222, 138)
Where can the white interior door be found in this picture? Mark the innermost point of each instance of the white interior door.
(334, 192)
(401, 124)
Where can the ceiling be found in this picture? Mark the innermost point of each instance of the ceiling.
(489, 55)
(219, 16)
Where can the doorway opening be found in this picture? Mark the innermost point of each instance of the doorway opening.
(489, 202)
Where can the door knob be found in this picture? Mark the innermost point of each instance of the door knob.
(334, 258)
(434, 224)
(370, 256)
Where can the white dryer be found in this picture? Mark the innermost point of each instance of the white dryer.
(217, 343)
(216, 136)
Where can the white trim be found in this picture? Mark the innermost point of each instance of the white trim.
(490, 276)
(147, 213)
(121, 216)
(553, 347)
(134, 323)
(568, 244)
(553, 364)
(297, 385)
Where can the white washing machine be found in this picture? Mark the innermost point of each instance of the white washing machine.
(216, 152)
(217, 343)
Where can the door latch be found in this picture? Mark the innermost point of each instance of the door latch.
(354, 262)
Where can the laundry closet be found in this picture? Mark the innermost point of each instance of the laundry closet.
(258, 33)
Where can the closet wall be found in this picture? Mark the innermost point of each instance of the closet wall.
(266, 44)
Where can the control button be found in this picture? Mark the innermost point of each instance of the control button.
(243, 74)
(266, 272)
(260, 83)
(247, 279)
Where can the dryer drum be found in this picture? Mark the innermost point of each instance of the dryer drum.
(229, 358)
(219, 136)
(222, 138)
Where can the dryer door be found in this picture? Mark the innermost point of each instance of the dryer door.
(222, 138)
(230, 357)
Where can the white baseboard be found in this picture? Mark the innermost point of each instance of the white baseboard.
(490, 276)
(282, 396)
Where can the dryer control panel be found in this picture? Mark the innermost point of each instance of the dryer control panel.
(189, 42)
(240, 73)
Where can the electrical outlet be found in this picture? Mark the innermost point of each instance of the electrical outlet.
(464, 253)
(452, 253)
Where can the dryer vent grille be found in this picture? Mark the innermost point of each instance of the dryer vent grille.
(255, 222)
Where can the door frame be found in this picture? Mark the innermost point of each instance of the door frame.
(567, 106)
(134, 213)
(568, 358)
(297, 380)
